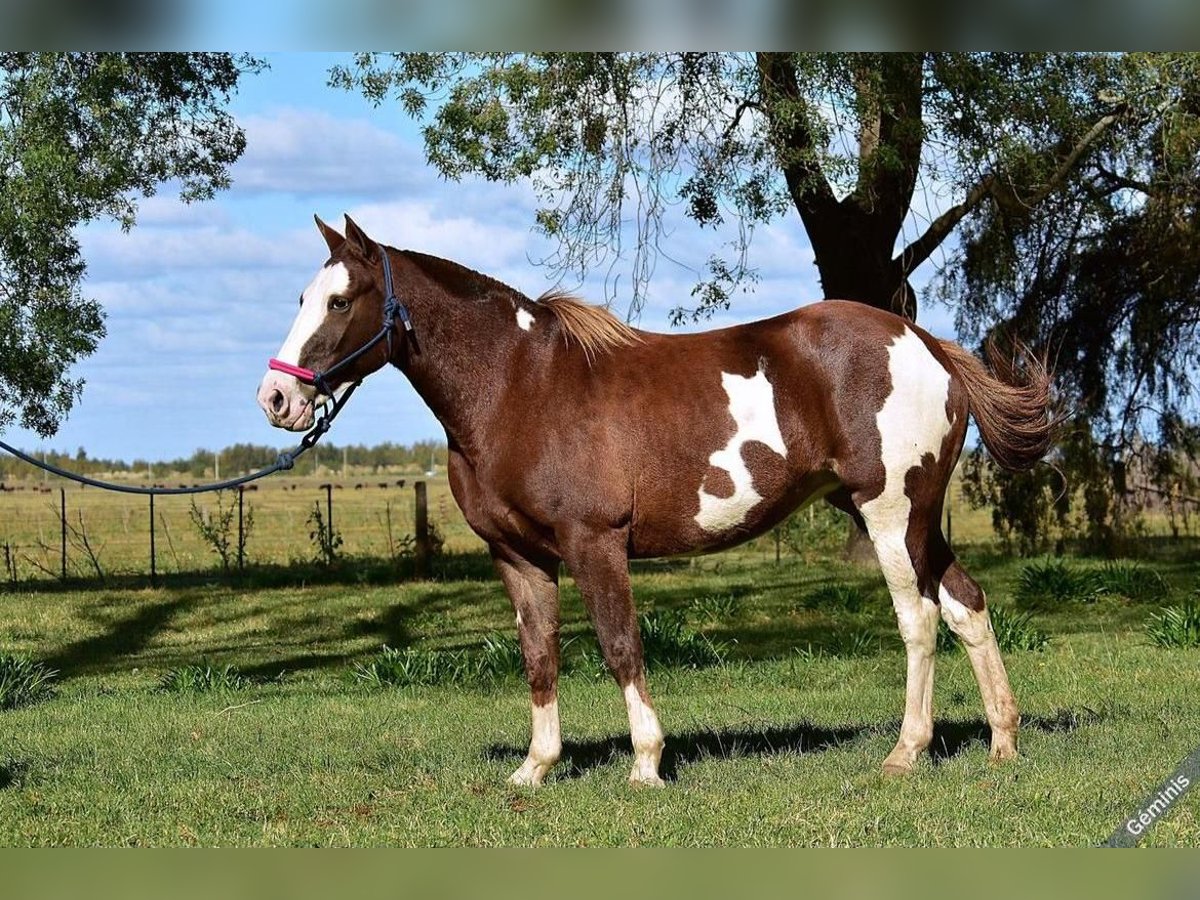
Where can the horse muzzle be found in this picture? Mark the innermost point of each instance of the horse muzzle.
(286, 402)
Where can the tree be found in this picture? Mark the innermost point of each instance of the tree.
(83, 136)
(1058, 191)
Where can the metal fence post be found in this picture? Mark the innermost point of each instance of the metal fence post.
(241, 528)
(422, 529)
(153, 554)
(329, 510)
(62, 519)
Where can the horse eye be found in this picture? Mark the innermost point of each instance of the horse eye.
(339, 303)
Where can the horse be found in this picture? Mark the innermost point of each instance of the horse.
(577, 439)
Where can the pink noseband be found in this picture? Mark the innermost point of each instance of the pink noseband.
(306, 376)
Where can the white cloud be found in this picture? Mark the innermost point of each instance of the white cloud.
(309, 152)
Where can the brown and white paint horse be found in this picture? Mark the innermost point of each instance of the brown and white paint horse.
(576, 438)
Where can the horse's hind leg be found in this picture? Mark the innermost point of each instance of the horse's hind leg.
(533, 590)
(599, 561)
(917, 616)
(964, 608)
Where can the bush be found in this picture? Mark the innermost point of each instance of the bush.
(667, 642)
(204, 678)
(1054, 581)
(501, 658)
(24, 681)
(1131, 580)
(1176, 626)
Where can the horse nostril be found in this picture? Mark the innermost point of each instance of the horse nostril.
(277, 401)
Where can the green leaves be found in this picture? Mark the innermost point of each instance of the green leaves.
(82, 137)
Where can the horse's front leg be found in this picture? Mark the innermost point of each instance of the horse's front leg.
(599, 561)
(533, 589)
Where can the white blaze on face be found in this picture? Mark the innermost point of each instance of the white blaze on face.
(752, 405)
(330, 281)
(524, 318)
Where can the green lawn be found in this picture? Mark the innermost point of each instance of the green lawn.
(774, 747)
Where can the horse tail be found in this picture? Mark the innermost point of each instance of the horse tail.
(1011, 403)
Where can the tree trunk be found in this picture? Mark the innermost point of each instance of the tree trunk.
(859, 549)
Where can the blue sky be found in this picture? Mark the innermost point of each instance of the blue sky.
(199, 297)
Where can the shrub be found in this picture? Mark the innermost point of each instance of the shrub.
(500, 658)
(24, 681)
(204, 678)
(1016, 631)
(667, 642)
(218, 531)
(1054, 581)
(325, 539)
(1176, 626)
(1131, 580)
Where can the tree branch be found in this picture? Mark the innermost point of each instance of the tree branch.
(921, 249)
(1123, 181)
(794, 143)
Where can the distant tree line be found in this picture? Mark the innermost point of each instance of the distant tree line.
(242, 458)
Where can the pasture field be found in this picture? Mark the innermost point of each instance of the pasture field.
(775, 747)
(373, 512)
(117, 525)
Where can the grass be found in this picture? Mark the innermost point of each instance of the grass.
(204, 678)
(1054, 582)
(497, 659)
(713, 608)
(24, 681)
(770, 747)
(1176, 626)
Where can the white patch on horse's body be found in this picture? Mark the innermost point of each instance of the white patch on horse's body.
(330, 281)
(912, 424)
(524, 318)
(647, 738)
(752, 405)
(545, 746)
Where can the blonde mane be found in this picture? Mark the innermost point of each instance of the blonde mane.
(593, 328)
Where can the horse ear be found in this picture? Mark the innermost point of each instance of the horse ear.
(332, 238)
(357, 238)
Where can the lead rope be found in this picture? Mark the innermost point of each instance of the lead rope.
(285, 460)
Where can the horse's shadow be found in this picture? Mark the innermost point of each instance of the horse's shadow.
(951, 738)
(580, 757)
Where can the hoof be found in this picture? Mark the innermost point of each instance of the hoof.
(639, 780)
(529, 775)
(901, 761)
(1002, 753)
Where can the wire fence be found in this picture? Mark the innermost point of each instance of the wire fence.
(59, 530)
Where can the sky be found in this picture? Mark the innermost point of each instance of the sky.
(199, 296)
